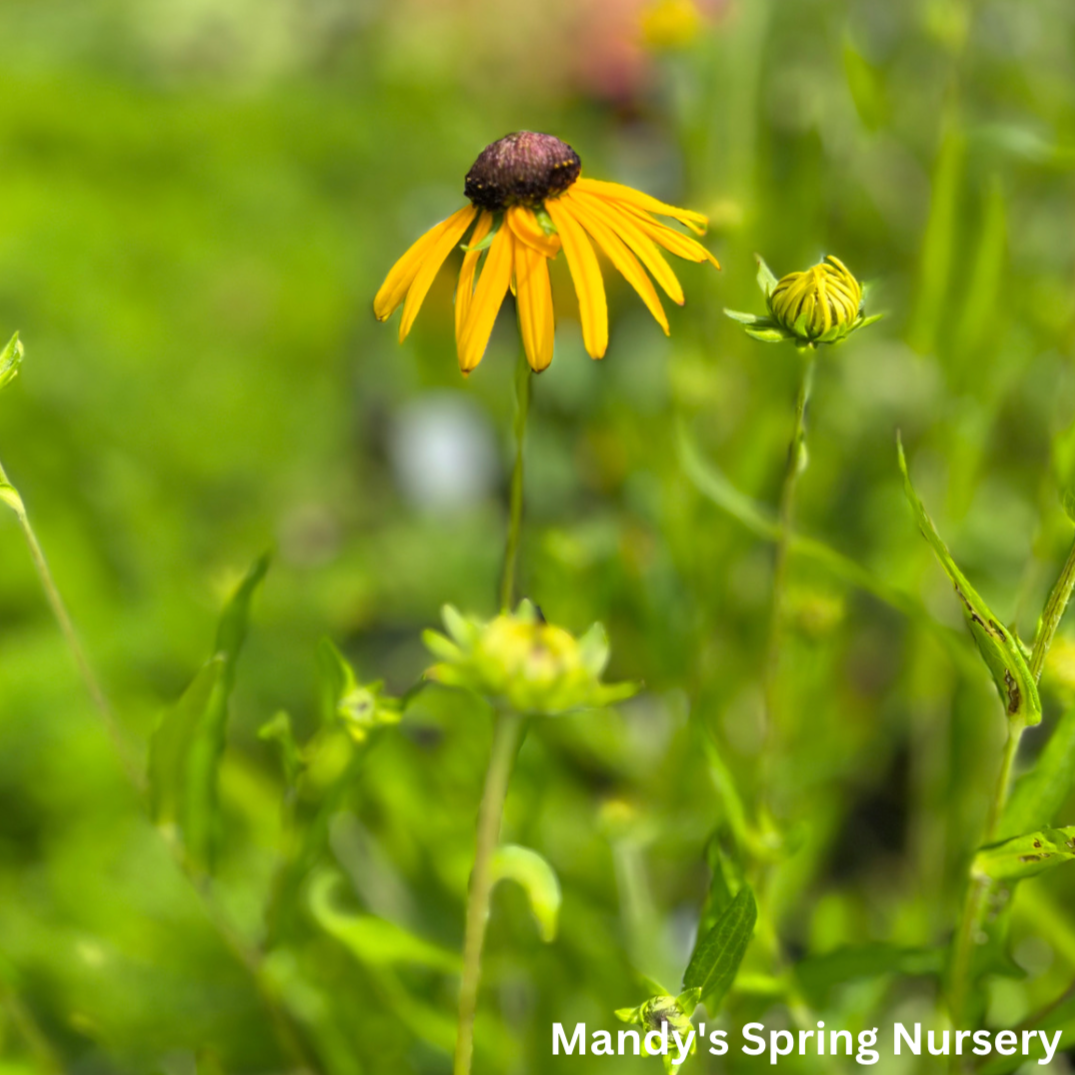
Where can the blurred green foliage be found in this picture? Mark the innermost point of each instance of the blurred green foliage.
(197, 203)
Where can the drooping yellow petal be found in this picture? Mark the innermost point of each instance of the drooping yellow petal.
(465, 288)
(683, 246)
(697, 222)
(528, 230)
(402, 274)
(617, 252)
(536, 321)
(432, 260)
(485, 304)
(586, 274)
(623, 224)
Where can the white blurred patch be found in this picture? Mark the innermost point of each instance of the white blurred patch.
(443, 453)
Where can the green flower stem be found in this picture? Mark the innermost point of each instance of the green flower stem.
(10, 495)
(796, 463)
(506, 735)
(523, 385)
(1054, 612)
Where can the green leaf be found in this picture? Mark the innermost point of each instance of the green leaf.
(767, 280)
(818, 974)
(774, 334)
(748, 319)
(187, 746)
(1043, 790)
(538, 880)
(867, 86)
(10, 360)
(371, 940)
(717, 955)
(171, 744)
(1025, 856)
(999, 649)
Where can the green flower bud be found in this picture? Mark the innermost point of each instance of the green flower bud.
(519, 661)
(667, 1015)
(822, 304)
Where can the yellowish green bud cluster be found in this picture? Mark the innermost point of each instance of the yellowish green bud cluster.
(822, 304)
(520, 662)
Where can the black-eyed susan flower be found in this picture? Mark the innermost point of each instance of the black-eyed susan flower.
(529, 201)
(822, 304)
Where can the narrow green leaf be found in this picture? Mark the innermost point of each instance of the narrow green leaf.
(371, 940)
(538, 880)
(171, 744)
(10, 360)
(1041, 792)
(717, 955)
(867, 86)
(774, 334)
(278, 730)
(189, 741)
(999, 649)
(1025, 856)
(747, 319)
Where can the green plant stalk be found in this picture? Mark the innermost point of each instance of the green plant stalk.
(11, 496)
(796, 463)
(506, 735)
(523, 387)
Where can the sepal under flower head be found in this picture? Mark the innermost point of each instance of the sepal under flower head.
(519, 661)
(822, 304)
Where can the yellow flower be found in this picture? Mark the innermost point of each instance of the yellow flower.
(670, 24)
(529, 201)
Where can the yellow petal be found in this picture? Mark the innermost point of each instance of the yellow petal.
(536, 322)
(528, 230)
(623, 259)
(465, 288)
(683, 246)
(586, 274)
(432, 260)
(697, 222)
(623, 224)
(402, 274)
(488, 295)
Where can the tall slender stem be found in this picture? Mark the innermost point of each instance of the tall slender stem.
(523, 384)
(1054, 612)
(796, 464)
(10, 495)
(506, 734)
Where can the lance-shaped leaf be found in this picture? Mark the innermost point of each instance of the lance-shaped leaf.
(187, 745)
(537, 879)
(10, 360)
(717, 955)
(1040, 792)
(1025, 856)
(999, 648)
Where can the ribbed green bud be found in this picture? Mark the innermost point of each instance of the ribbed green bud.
(819, 305)
(822, 304)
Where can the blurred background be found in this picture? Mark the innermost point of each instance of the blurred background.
(197, 203)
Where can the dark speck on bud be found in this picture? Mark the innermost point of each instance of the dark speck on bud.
(521, 169)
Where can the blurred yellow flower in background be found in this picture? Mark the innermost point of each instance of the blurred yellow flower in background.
(670, 24)
(529, 201)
